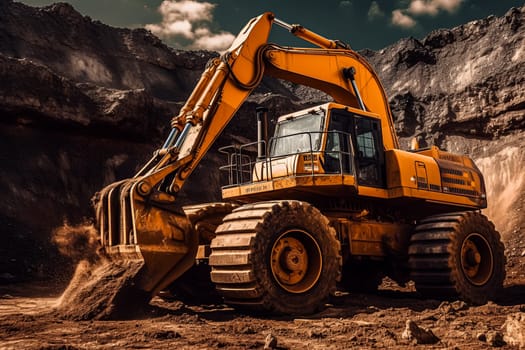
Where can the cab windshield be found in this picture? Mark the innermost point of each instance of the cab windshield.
(300, 134)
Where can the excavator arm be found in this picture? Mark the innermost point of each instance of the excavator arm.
(139, 218)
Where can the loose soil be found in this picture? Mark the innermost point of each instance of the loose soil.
(29, 319)
(97, 311)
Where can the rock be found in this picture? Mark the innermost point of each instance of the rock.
(270, 342)
(163, 334)
(450, 308)
(448, 96)
(418, 335)
(481, 337)
(246, 330)
(315, 333)
(445, 307)
(459, 305)
(495, 339)
(514, 329)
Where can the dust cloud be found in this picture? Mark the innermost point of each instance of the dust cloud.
(505, 183)
(102, 287)
(78, 242)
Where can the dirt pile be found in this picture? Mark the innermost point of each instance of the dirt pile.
(101, 287)
(103, 290)
(470, 88)
(355, 321)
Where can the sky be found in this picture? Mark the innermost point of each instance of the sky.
(213, 24)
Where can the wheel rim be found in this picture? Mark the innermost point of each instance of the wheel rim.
(477, 261)
(296, 261)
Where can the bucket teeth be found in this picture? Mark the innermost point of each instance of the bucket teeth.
(114, 214)
(126, 227)
(112, 211)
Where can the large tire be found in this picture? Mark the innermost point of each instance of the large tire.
(194, 287)
(279, 257)
(457, 255)
(206, 217)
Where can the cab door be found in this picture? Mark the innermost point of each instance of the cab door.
(370, 156)
(338, 154)
(351, 135)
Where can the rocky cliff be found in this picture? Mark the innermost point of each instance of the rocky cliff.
(83, 104)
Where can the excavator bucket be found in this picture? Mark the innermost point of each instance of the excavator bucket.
(158, 234)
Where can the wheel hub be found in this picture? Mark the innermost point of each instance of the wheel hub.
(296, 261)
(291, 260)
(477, 261)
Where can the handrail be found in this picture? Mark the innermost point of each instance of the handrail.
(240, 157)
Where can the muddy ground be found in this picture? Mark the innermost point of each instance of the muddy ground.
(28, 321)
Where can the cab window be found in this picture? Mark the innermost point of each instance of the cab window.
(297, 135)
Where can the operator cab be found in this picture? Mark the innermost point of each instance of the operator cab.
(340, 144)
(364, 137)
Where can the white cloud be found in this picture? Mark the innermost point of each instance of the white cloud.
(216, 42)
(402, 20)
(188, 9)
(404, 17)
(432, 7)
(167, 29)
(375, 11)
(188, 22)
(202, 32)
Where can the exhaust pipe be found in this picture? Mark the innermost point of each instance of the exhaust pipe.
(262, 131)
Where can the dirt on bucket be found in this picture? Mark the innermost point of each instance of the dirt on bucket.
(101, 287)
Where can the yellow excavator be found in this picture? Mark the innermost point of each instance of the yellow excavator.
(329, 201)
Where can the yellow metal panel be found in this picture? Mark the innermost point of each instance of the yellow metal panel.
(257, 187)
(443, 198)
(349, 180)
(373, 192)
(230, 192)
(288, 182)
(402, 168)
(374, 238)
